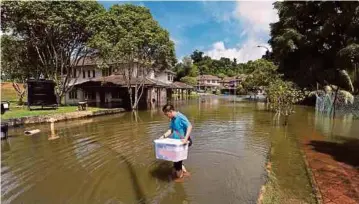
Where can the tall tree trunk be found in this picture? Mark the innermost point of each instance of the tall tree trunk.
(135, 103)
(20, 92)
(130, 95)
(59, 99)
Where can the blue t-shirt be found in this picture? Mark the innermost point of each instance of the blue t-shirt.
(179, 124)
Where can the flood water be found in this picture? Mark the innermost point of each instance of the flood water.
(111, 159)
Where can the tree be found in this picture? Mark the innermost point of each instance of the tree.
(313, 39)
(189, 80)
(221, 75)
(282, 95)
(180, 71)
(207, 65)
(127, 37)
(56, 31)
(197, 56)
(186, 68)
(260, 74)
(193, 71)
(17, 64)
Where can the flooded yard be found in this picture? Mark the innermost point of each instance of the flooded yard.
(110, 159)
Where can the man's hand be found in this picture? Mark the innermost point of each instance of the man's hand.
(162, 137)
(184, 141)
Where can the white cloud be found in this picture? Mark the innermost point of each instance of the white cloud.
(254, 17)
(248, 51)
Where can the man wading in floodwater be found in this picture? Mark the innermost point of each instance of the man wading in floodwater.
(180, 128)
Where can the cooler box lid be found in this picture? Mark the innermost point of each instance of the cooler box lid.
(169, 141)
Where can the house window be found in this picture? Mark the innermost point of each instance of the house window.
(83, 74)
(116, 94)
(73, 94)
(75, 73)
(93, 73)
(90, 95)
(107, 72)
(213, 81)
(208, 81)
(169, 77)
(88, 73)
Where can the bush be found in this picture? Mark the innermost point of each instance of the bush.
(282, 95)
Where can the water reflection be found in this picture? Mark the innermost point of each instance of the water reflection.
(334, 128)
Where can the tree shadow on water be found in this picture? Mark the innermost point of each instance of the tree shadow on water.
(346, 152)
(140, 196)
(162, 171)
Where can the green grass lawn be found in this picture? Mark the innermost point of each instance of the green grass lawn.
(9, 94)
(17, 112)
(192, 95)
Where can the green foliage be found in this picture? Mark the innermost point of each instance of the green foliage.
(260, 73)
(186, 68)
(221, 68)
(17, 63)
(282, 95)
(127, 34)
(52, 34)
(312, 39)
(197, 56)
(240, 90)
(207, 65)
(194, 71)
(221, 75)
(189, 80)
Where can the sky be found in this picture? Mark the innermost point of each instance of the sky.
(230, 29)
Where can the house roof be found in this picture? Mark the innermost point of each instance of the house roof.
(158, 82)
(208, 85)
(229, 79)
(240, 77)
(119, 80)
(208, 77)
(169, 71)
(86, 61)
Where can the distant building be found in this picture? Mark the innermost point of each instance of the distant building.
(230, 84)
(208, 83)
(214, 83)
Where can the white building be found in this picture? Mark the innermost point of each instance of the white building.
(107, 86)
(208, 82)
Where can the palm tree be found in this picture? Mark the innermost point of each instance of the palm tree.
(341, 91)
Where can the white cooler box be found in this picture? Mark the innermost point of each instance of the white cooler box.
(171, 149)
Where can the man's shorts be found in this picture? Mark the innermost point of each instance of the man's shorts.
(178, 165)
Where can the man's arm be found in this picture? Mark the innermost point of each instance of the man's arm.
(185, 122)
(188, 133)
(166, 134)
